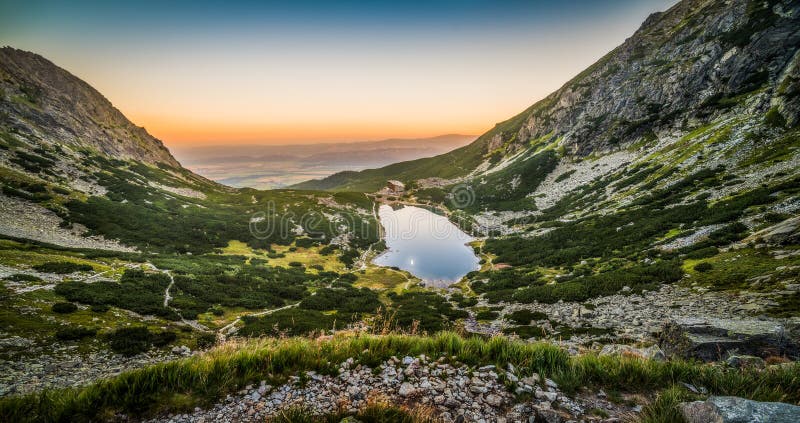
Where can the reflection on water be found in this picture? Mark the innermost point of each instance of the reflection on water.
(427, 245)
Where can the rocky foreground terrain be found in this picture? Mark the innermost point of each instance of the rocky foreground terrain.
(454, 391)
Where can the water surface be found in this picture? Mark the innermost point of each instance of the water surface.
(427, 245)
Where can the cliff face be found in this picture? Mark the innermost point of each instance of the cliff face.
(42, 102)
(691, 63)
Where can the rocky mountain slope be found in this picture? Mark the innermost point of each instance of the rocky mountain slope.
(77, 173)
(699, 62)
(44, 102)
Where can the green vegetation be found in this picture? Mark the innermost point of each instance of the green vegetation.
(602, 284)
(137, 291)
(134, 340)
(487, 315)
(426, 312)
(75, 333)
(524, 317)
(615, 245)
(703, 267)
(774, 118)
(62, 267)
(293, 322)
(64, 308)
(203, 379)
(136, 211)
(346, 299)
(747, 268)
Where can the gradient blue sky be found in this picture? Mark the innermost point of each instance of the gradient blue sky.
(211, 72)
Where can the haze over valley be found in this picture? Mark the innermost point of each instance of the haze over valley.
(278, 166)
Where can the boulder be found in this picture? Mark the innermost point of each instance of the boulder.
(711, 339)
(406, 389)
(745, 361)
(783, 233)
(738, 410)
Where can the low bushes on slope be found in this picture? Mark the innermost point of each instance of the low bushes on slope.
(636, 278)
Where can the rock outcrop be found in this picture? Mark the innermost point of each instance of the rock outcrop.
(712, 339)
(739, 410)
(680, 64)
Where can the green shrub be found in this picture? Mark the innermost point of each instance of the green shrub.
(74, 333)
(160, 339)
(62, 267)
(430, 311)
(463, 301)
(23, 277)
(347, 299)
(136, 291)
(525, 317)
(130, 340)
(525, 332)
(64, 308)
(774, 118)
(206, 340)
(703, 267)
(644, 276)
(486, 315)
(292, 322)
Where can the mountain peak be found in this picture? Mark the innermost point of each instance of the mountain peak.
(45, 102)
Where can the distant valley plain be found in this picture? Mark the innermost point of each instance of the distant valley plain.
(278, 166)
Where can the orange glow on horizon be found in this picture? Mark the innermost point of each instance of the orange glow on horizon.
(178, 132)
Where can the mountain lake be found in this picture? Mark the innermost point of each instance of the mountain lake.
(426, 245)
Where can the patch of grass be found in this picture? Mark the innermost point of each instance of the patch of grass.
(665, 407)
(23, 277)
(738, 269)
(346, 299)
(703, 267)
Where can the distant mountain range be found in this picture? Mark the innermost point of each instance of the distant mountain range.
(275, 166)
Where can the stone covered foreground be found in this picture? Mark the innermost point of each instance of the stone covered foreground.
(455, 392)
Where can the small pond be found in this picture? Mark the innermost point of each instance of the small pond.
(425, 244)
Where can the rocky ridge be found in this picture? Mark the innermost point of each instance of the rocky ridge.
(44, 102)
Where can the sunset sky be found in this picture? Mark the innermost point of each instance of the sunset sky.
(213, 72)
